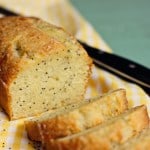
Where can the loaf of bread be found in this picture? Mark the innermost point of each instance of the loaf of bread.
(140, 142)
(41, 67)
(102, 137)
(85, 115)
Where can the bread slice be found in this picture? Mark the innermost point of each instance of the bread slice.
(102, 137)
(140, 142)
(41, 67)
(72, 120)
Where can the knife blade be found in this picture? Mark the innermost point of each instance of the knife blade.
(120, 66)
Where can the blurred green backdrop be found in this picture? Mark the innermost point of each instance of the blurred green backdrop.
(123, 24)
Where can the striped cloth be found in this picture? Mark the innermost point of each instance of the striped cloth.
(62, 13)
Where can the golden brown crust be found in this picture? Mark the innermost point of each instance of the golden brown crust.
(20, 41)
(76, 120)
(5, 97)
(33, 131)
(103, 137)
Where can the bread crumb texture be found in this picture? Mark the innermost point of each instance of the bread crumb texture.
(42, 67)
(115, 131)
(84, 115)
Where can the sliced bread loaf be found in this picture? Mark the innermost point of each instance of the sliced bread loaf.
(140, 142)
(86, 114)
(102, 137)
(41, 67)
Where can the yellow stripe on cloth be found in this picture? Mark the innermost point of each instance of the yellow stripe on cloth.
(60, 12)
(13, 136)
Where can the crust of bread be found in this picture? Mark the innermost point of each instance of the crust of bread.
(21, 41)
(117, 130)
(11, 59)
(78, 119)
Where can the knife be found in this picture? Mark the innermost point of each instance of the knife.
(120, 66)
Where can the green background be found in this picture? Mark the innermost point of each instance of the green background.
(123, 24)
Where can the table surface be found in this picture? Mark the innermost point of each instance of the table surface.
(123, 24)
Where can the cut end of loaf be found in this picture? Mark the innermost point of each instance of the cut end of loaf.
(49, 84)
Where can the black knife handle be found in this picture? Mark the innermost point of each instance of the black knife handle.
(7, 12)
(122, 67)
